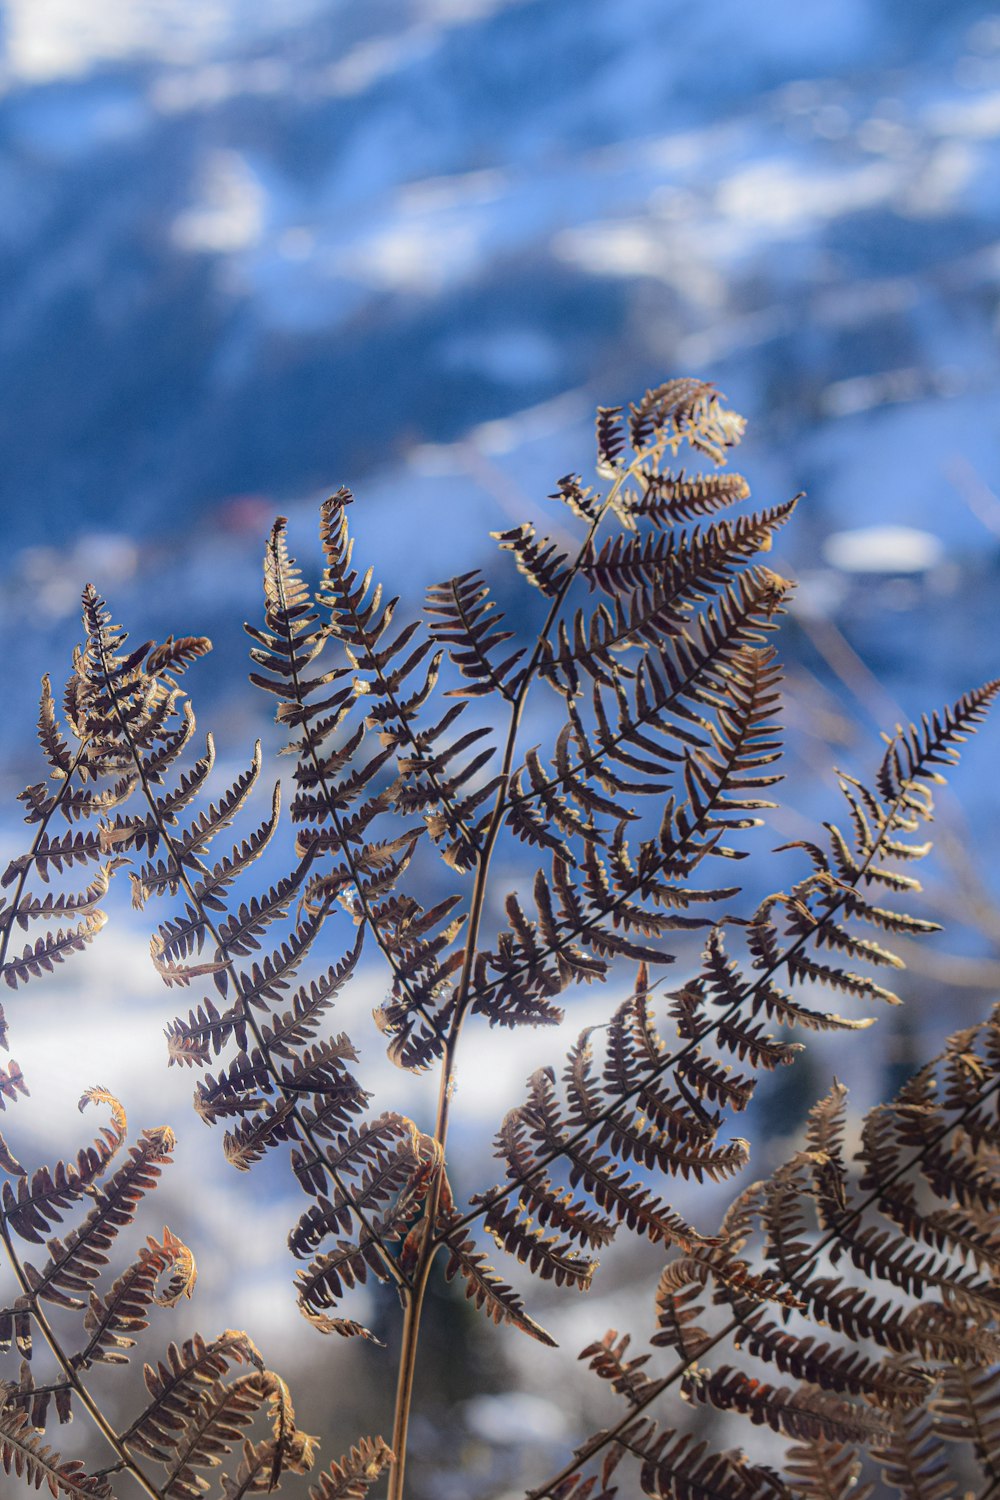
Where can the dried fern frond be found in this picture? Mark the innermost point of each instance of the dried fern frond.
(197, 1408)
(922, 1330)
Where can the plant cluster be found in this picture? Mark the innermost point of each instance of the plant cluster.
(851, 1309)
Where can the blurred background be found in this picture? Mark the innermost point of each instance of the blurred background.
(254, 249)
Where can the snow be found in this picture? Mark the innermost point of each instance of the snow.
(230, 211)
(883, 549)
(52, 39)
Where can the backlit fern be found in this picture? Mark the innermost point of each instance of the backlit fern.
(620, 759)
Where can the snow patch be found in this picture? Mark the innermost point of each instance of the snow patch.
(883, 549)
(230, 213)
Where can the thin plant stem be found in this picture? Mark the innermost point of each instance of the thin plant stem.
(430, 1245)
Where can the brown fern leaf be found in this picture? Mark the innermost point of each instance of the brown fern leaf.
(176, 1384)
(175, 656)
(211, 886)
(486, 1289)
(914, 1460)
(295, 1026)
(351, 1477)
(683, 568)
(663, 755)
(392, 701)
(54, 746)
(54, 852)
(626, 1376)
(12, 1084)
(122, 1310)
(23, 1454)
(110, 685)
(180, 973)
(39, 1201)
(680, 1285)
(74, 1265)
(217, 1424)
(804, 1414)
(394, 1165)
(145, 830)
(240, 932)
(619, 1197)
(550, 1258)
(584, 504)
(36, 1400)
(382, 1181)
(292, 639)
(885, 1384)
(610, 432)
(203, 1035)
(267, 1127)
(255, 1471)
(967, 1409)
(158, 739)
(883, 822)
(540, 562)
(684, 410)
(255, 1474)
(52, 948)
(465, 620)
(334, 1273)
(913, 753)
(189, 1424)
(188, 845)
(62, 906)
(349, 1151)
(825, 1470)
(682, 1465)
(667, 499)
(721, 782)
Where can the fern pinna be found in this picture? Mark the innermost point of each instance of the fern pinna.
(651, 674)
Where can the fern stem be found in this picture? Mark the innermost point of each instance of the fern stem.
(516, 714)
(229, 963)
(431, 1244)
(125, 1460)
(410, 1338)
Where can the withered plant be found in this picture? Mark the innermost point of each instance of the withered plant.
(853, 1311)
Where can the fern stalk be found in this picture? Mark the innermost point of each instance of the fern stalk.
(430, 1244)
